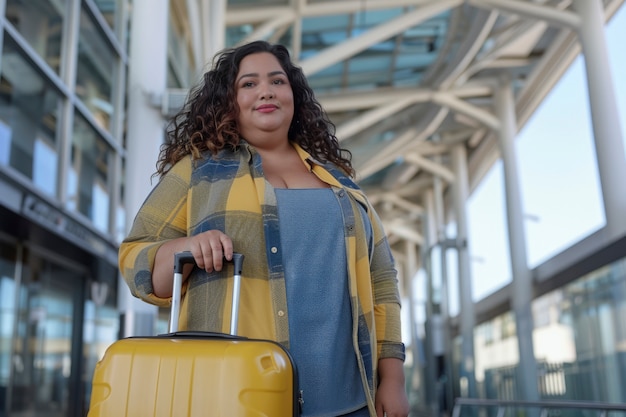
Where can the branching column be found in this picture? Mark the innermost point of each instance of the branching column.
(521, 286)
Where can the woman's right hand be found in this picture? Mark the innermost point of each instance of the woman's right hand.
(208, 249)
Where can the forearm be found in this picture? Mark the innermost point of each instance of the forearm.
(163, 270)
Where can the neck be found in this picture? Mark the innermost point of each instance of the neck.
(274, 150)
(274, 140)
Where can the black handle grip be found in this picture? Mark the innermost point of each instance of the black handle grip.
(183, 258)
(238, 261)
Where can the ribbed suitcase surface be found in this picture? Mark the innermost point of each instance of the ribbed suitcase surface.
(190, 376)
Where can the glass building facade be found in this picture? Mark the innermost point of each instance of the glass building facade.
(62, 70)
(579, 341)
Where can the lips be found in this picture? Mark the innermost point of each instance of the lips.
(266, 108)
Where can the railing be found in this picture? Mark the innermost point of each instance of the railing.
(545, 407)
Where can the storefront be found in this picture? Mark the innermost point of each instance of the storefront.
(58, 296)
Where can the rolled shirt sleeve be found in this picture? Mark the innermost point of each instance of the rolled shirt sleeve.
(162, 217)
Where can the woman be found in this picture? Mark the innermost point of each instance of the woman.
(252, 165)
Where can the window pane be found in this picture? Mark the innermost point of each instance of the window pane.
(120, 227)
(42, 356)
(180, 65)
(102, 322)
(88, 176)
(40, 22)
(120, 217)
(29, 111)
(109, 9)
(7, 310)
(562, 122)
(94, 75)
(590, 311)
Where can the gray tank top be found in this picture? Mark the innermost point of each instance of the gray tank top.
(318, 301)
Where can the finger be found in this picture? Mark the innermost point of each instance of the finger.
(207, 255)
(217, 254)
(193, 246)
(222, 247)
(206, 244)
(227, 245)
(217, 241)
(204, 258)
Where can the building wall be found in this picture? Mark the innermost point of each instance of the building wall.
(77, 118)
(62, 88)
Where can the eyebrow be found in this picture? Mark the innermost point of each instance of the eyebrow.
(256, 74)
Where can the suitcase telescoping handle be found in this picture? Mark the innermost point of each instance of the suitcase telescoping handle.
(183, 258)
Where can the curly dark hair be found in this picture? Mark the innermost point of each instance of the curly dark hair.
(208, 120)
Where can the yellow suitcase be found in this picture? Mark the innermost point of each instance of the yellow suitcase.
(195, 373)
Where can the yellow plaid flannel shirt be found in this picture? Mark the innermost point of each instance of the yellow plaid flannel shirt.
(228, 192)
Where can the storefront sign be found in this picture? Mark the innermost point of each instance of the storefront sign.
(54, 219)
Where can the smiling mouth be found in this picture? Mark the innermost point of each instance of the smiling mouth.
(266, 108)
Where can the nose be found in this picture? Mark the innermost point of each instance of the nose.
(267, 92)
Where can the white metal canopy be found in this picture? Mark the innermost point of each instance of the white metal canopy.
(407, 80)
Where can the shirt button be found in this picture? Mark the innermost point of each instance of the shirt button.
(281, 313)
(341, 193)
(274, 249)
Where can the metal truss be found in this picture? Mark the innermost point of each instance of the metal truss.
(529, 44)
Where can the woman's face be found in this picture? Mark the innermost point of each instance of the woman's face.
(264, 97)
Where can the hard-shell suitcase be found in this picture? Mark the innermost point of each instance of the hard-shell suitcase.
(195, 373)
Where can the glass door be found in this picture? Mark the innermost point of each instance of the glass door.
(8, 262)
(44, 348)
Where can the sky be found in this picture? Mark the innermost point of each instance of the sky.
(559, 179)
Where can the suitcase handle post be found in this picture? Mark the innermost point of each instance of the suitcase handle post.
(185, 257)
(234, 316)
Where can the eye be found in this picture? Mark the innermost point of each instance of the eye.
(247, 84)
(279, 81)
